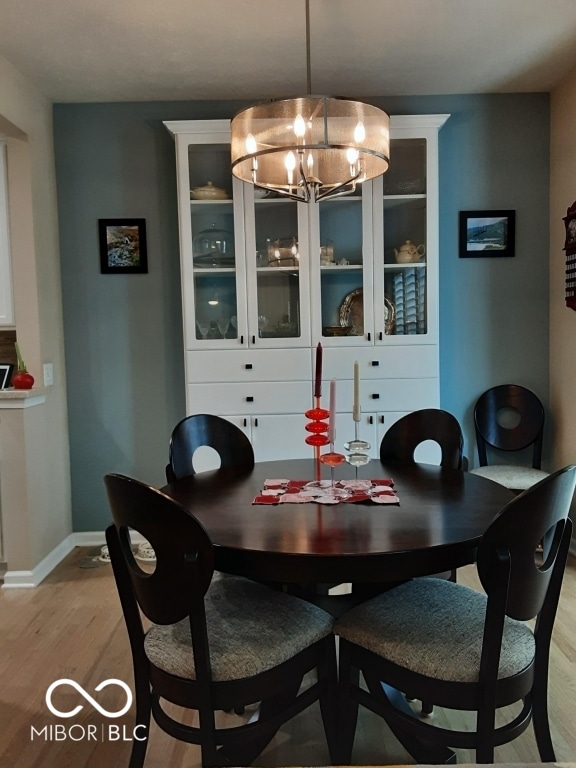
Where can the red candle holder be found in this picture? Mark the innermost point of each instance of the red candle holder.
(317, 426)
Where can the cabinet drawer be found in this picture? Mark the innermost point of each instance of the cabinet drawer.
(250, 397)
(245, 365)
(388, 395)
(418, 361)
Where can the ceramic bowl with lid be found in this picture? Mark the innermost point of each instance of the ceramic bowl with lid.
(208, 192)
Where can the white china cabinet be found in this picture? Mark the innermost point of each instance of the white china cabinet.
(264, 279)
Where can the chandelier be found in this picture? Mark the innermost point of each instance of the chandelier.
(310, 147)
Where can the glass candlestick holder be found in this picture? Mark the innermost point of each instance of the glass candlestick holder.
(332, 459)
(357, 449)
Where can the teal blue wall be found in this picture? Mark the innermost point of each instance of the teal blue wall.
(123, 333)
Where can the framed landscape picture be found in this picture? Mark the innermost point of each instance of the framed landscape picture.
(487, 233)
(123, 246)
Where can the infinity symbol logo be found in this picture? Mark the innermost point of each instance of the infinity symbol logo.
(86, 695)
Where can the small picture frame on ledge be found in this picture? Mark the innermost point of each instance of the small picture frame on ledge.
(123, 246)
(487, 233)
(6, 371)
(570, 224)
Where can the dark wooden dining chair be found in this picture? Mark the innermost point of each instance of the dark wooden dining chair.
(509, 419)
(463, 649)
(205, 429)
(211, 645)
(405, 435)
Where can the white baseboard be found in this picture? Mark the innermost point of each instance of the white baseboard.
(27, 579)
(24, 579)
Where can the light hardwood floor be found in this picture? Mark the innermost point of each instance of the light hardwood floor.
(71, 627)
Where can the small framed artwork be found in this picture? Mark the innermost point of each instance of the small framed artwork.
(6, 371)
(570, 224)
(570, 248)
(487, 233)
(123, 246)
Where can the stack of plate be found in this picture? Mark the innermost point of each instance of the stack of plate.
(410, 300)
(399, 301)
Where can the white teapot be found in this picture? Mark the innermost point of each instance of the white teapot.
(408, 253)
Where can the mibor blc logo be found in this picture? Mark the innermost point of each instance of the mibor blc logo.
(91, 731)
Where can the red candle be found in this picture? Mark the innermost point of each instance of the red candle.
(318, 380)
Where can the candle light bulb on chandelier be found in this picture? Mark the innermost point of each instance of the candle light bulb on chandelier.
(290, 163)
(359, 133)
(299, 127)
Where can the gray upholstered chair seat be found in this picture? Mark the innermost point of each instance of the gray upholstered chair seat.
(515, 477)
(434, 627)
(251, 629)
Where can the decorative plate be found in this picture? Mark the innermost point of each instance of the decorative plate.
(352, 313)
(389, 315)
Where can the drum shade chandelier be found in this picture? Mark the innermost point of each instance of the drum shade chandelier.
(310, 147)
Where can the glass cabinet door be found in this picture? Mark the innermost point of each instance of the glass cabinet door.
(277, 271)
(400, 214)
(218, 274)
(341, 256)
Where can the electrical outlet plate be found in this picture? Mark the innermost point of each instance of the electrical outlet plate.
(48, 374)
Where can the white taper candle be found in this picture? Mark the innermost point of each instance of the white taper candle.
(356, 404)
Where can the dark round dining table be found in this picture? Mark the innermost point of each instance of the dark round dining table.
(436, 526)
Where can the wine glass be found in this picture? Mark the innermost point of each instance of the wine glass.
(223, 325)
(203, 327)
(262, 323)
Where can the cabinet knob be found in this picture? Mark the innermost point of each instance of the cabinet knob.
(255, 422)
(375, 396)
(368, 336)
(249, 399)
(242, 339)
(380, 336)
(245, 422)
(248, 366)
(370, 419)
(375, 363)
(253, 339)
(382, 419)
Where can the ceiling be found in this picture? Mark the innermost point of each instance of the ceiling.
(157, 50)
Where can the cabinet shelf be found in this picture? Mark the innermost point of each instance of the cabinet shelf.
(341, 267)
(403, 198)
(395, 265)
(272, 200)
(224, 202)
(207, 271)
